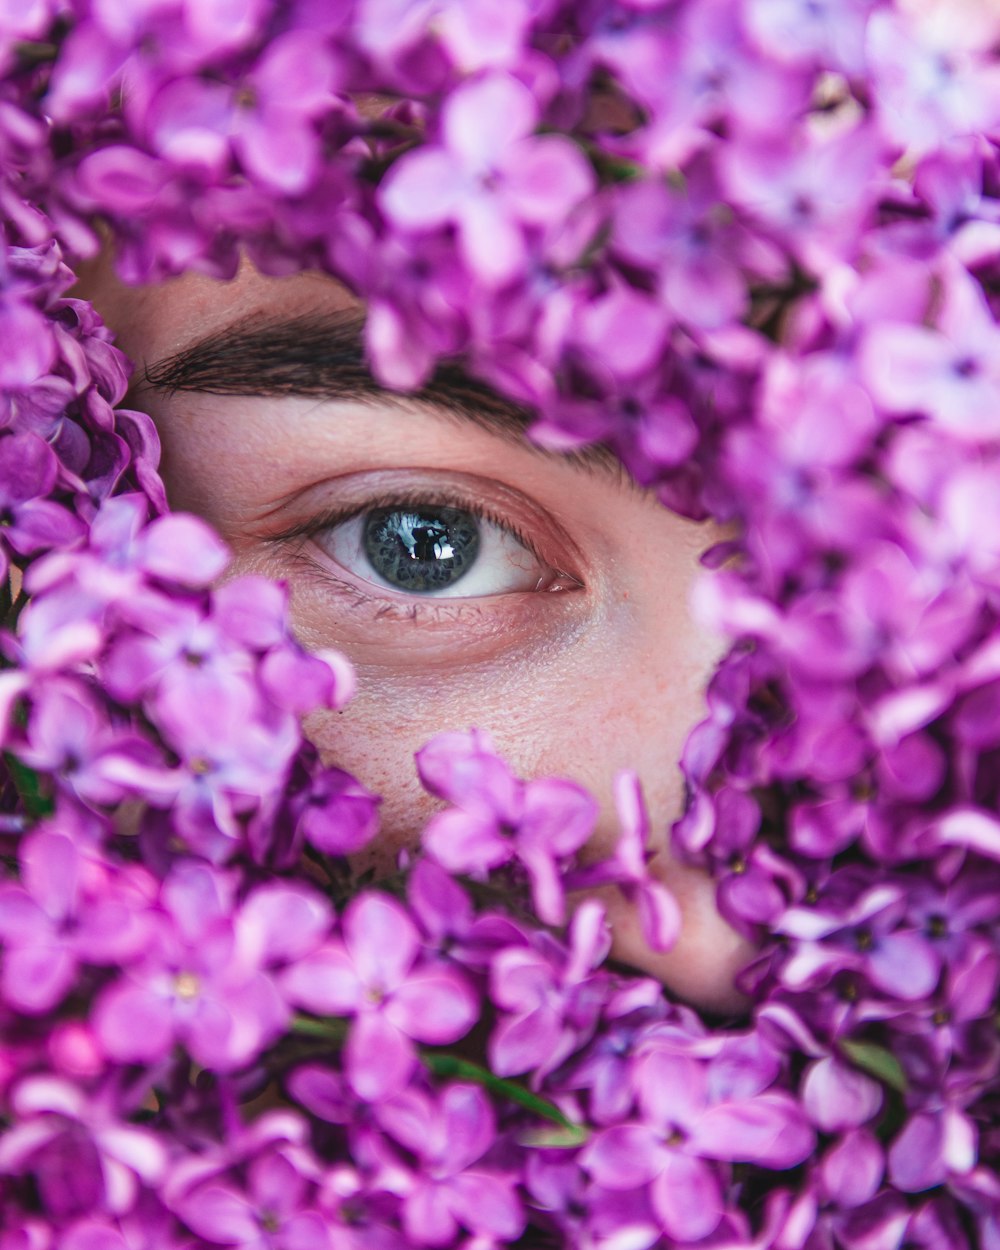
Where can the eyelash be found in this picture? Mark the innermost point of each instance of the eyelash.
(388, 607)
(402, 499)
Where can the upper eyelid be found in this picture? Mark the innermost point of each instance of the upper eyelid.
(312, 526)
(537, 523)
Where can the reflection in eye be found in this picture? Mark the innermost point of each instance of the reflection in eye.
(436, 550)
(423, 550)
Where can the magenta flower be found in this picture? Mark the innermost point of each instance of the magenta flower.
(450, 1187)
(69, 735)
(934, 80)
(491, 177)
(83, 1154)
(70, 908)
(207, 976)
(949, 372)
(538, 824)
(376, 976)
(933, 1145)
(628, 869)
(687, 1124)
(30, 521)
(274, 131)
(863, 931)
(689, 240)
(549, 997)
(813, 193)
(271, 1210)
(831, 32)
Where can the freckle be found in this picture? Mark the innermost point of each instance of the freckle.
(626, 594)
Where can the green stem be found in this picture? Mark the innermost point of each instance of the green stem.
(446, 1066)
(876, 1061)
(36, 53)
(330, 1030)
(28, 785)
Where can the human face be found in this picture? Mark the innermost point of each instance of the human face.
(569, 640)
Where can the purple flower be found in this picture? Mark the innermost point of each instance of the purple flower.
(207, 976)
(83, 1156)
(949, 372)
(828, 32)
(336, 814)
(491, 176)
(860, 930)
(687, 237)
(376, 975)
(815, 194)
(539, 824)
(550, 997)
(448, 1137)
(274, 132)
(838, 1097)
(853, 1169)
(271, 1210)
(30, 521)
(628, 869)
(69, 736)
(931, 1146)
(933, 78)
(70, 908)
(683, 1129)
(235, 751)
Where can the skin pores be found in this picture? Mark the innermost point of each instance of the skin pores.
(593, 666)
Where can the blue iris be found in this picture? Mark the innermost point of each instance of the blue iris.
(421, 549)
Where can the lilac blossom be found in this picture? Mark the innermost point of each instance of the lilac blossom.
(374, 976)
(686, 1124)
(271, 1210)
(946, 372)
(490, 176)
(206, 975)
(446, 1189)
(83, 1155)
(70, 908)
(31, 522)
(870, 936)
(498, 819)
(751, 249)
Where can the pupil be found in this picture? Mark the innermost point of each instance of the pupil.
(421, 549)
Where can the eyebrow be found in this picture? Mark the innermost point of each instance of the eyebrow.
(322, 354)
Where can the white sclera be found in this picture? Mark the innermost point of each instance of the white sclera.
(502, 566)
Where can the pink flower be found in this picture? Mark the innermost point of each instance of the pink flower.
(376, 976)
(490, 176)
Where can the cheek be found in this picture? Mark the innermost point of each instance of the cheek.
(568, 720)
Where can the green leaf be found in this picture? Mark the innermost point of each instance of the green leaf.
(447, 1066)
(330, 1029)
(556, 1138)
(877, 1062)
(451, 1066)
(28, 783)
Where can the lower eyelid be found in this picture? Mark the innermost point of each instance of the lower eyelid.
(385, 605)
(501, 563)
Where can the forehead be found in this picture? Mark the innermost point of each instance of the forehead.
(152, 322)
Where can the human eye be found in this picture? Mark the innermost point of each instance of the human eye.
(404, 545)
(438, 550)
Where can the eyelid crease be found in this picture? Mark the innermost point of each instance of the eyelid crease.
(413, 498)
(321, 353)
(400, 499)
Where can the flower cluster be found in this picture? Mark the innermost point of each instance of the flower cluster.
(753, 246)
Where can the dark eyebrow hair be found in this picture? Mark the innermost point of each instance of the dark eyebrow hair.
(322, 354)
